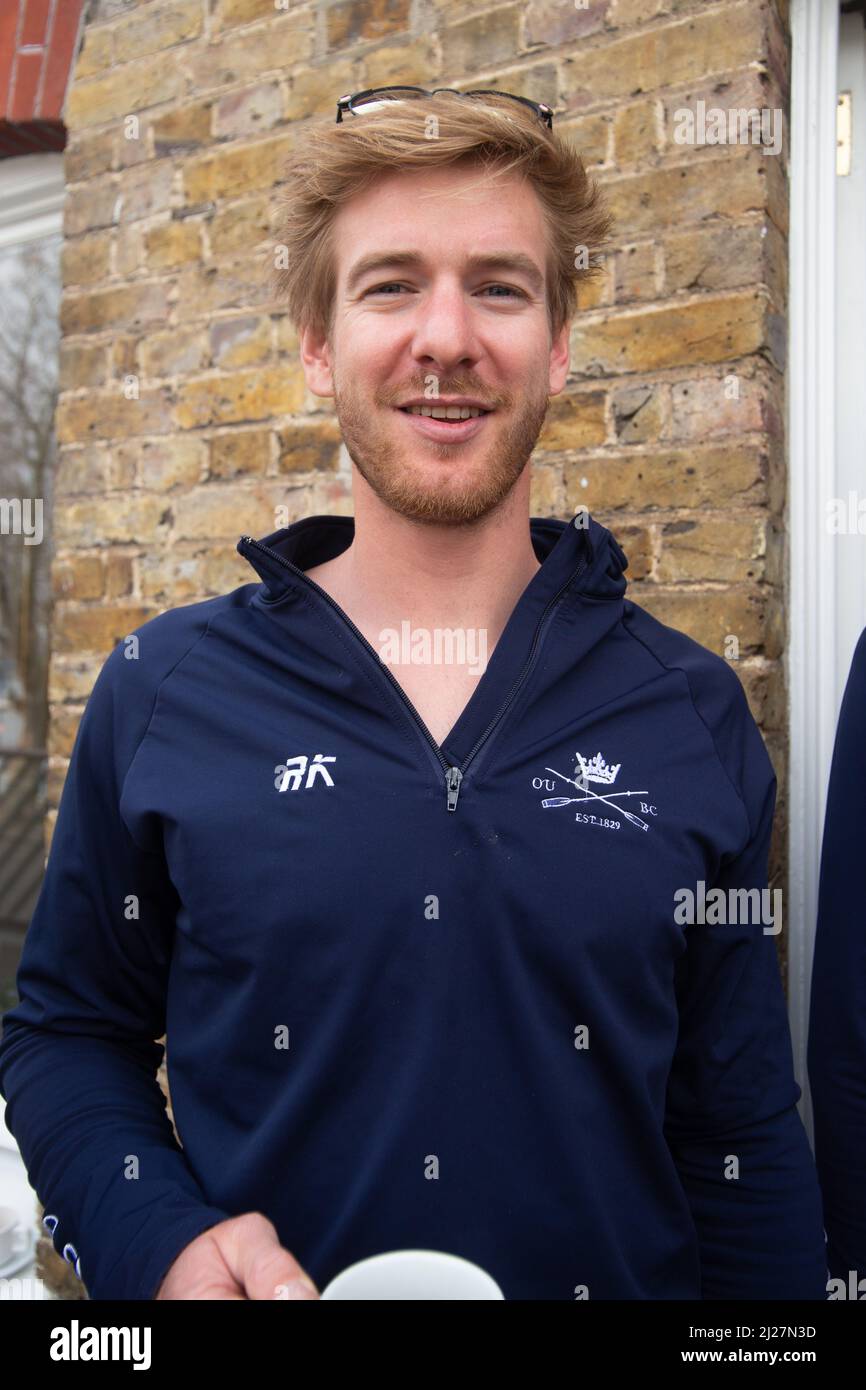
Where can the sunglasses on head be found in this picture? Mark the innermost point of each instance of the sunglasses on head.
(359, 102)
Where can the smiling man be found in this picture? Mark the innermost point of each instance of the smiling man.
(441, 378)
(415, 934)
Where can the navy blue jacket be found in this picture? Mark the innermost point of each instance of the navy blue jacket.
(416, 995)
(837, 1026)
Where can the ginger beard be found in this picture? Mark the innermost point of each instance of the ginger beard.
(441, 483)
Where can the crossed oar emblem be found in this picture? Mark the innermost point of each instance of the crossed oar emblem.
(593, 796)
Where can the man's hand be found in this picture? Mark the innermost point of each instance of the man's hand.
(240, 1258)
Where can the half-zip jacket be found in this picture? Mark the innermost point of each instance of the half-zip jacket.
(417, 995)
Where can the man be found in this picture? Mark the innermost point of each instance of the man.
(422, 985)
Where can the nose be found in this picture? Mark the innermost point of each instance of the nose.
(445, 330)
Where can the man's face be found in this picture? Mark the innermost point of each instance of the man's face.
(437, 326)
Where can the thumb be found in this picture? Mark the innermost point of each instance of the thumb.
(265, 1269)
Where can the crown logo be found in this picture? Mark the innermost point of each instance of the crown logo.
(596, 770)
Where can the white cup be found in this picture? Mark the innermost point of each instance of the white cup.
(13, 1236)
(429, 1275)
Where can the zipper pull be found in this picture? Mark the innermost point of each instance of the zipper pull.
(453, 778)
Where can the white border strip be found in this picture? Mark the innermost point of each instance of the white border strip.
(812, 473)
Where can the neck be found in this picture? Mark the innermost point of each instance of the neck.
(436, 576)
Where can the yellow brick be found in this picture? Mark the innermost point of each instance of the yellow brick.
(96, 53)
(95, 629)
(355, 21)
(239, 451)
(118, 575)
(250, 55)
(78, 577)
(635, 273)
(715, 41)
(123, 306)
(110, 415)
(85, 261)
(639, 412)
(128, 250)
(574, 421)
(156, 29)
(545, 491)
(589, 136)
(228, 173)
(635, 133)
(93, 468)
(314, 91)
(708, 330)
(220, 511)
(709, 616)
(251, 395)
(412, 63)
(164, 464)
(730, 186)
(69, 678)
(89, 155)
(177, 351)
(713, 548)
(240, 225)
(186, 573)
(483, 41)
(174, 243)
(82, 364)
(240, 342)
(97, 521)
(229, 13)
(122, 91)
(309, 446)
(182, 127)
(692, 477)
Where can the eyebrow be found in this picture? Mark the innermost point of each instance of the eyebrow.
(514, 261)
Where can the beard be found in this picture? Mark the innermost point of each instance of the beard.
(440, 483)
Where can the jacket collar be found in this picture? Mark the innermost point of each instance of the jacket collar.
(579, 553)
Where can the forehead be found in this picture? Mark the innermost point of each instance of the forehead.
(448, 213)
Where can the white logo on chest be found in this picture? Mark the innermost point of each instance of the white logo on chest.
(302, 771)
(595, 770)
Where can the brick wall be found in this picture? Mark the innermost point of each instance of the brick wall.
(184, 419)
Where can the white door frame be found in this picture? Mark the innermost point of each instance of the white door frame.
(811, 657)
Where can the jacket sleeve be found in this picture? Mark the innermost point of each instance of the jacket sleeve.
(731, 1122)
(78, 1057)
(837, 1024)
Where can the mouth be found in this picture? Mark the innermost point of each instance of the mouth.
(452, 430)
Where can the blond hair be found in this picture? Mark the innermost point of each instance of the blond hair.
(333, 162)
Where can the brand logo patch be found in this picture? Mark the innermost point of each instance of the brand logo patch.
(595, 769)
(301, 771)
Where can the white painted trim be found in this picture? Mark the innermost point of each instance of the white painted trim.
(32, 189)
(811, 437)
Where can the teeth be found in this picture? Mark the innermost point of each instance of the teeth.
(446, 412)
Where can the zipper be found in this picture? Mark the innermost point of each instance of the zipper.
(453, 774)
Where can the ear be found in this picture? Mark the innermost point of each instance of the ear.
(316, 360)
(560, 360)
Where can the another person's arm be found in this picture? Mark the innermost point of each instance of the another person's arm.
(837, 1024)
(731, 1121)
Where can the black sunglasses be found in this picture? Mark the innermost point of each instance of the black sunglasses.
(374, 95)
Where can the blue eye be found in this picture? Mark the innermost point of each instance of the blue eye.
(395, 284)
